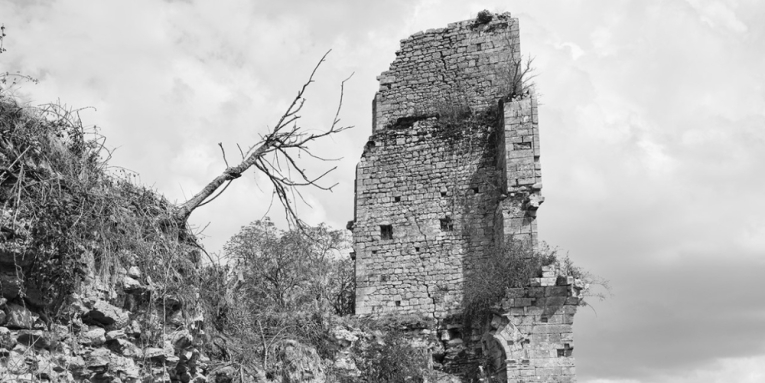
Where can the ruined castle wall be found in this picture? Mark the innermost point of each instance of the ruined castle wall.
(444, 198)
(518, 152)
(464, 63)
(530, 337)
(450, 173)
(437, 193)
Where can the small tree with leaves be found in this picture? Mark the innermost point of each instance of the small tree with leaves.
(282, 285)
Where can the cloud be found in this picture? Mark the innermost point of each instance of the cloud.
(718, 14)
(651, 128)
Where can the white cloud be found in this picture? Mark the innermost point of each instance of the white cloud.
(573, 49)
(651, 124)
(717, 14)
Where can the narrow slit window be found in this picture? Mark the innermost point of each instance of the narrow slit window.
(386, 231)
(447, 224)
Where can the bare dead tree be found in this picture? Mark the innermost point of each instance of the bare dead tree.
(274, 155)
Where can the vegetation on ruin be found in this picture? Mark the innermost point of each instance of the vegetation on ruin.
(279, 285)
(390, 359)
(71, 221)
(512, 266)
(67, 214)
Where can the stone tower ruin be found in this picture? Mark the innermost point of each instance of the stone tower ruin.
(450, 171)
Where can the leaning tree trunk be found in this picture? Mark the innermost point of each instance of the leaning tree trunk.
(275, 157)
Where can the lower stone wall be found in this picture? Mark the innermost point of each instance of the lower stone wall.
(425, 201)
(530, 337)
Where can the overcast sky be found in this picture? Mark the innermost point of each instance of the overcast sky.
(652, 129)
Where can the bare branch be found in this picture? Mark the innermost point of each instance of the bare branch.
(272, 156)
(224, 153)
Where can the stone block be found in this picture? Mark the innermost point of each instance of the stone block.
(19, 317)
(556, 291)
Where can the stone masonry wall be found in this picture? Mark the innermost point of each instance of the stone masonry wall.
(437, 194)
(461, 63)
(530, 338)
(450, 173)
(520, 176)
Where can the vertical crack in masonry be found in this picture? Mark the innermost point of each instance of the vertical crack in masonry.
(432, 298)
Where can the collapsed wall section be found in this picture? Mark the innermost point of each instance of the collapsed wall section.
(449, 174)
(465, 63)
(426, 186)
(520, 181)
(530, 336)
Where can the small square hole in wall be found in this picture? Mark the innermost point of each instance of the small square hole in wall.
(447, 224)
(476, 190)
(386, 231)
(561, 353)
(374, 252)
(417, 249)
(398, 303)
(543, 319)
(396, 199)
(443, 194)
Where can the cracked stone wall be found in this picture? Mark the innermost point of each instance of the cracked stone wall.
(460, 63)
(530, 337)
(438, 189)
(437, 195)
(432, 198)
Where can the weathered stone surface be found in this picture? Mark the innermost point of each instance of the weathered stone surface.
(124, 368)
(181, 339)
(98, 360)
(16, 363)
(70, 363)
(104, 314)
(439, 65)
(7, 340)
(33, 338)
(224, 374)
(93, 337)
(451, 172)
(131, 285)
(115, 334)
(134, 272)
(10, 284)
(19, 317)
(125, 348)
(436, 191)
(298, 363)
(531, 338)
(44, 368)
